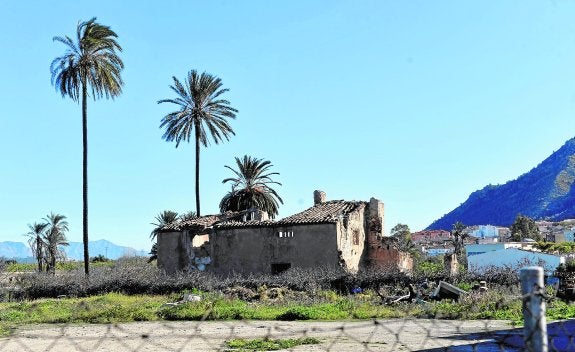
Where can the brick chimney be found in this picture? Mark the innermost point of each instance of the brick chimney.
(318, 197)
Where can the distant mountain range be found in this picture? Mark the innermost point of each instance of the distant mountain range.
(544, 193)
(21, 251)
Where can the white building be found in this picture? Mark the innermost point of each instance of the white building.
(480, 248)
(435, 251)
(514, 258)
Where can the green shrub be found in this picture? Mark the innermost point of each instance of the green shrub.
(269, 344)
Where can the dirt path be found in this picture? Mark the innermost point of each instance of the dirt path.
(381, 335)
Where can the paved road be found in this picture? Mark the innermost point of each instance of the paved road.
(381, 335)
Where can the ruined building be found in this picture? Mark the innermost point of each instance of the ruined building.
(347, 234)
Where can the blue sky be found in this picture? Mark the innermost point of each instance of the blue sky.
(417, 103)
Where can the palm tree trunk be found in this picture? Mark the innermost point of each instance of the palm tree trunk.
(53, 261)
(197, 128)
(85, 177)
(39, 253)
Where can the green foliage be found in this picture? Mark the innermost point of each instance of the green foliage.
(493, 304)
(558, 309)
(524, 227)
(403, 235)
(201, 113)
(60, 266)
(109, 308)
(90, 64)
(99, 259)
(401, 230)
(251, 187)
(559, 248)
(167, 217)
(430, 268)
(269, 344)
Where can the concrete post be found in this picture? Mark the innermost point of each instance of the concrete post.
(535, 330)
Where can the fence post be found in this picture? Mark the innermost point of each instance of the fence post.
(535, 329)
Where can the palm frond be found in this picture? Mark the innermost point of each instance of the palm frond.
(90, 61)
(251, 187)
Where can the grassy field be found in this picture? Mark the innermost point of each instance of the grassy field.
(325, 305)
(133, 290)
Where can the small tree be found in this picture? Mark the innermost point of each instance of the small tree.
(458, 237)
(524, 227)
(403, 235)
(54, 236)
(35, 242)
(153, 253)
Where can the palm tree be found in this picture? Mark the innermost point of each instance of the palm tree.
(164, 218)
(54, 236)
(201, 110)
(35, 241)
(190, 215)
(92, 62)
(251, 187)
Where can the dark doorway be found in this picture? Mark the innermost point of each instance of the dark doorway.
(280, 268)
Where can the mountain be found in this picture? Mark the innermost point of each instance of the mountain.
(75, 251)
(545, 192)
(106, 248)
(11, 249)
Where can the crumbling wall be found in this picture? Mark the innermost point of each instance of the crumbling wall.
(182, 251)
(351, 240)
(386, 256)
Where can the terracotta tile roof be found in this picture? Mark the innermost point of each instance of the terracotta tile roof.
(326, 212)
(199, 222)
(323, 213)
(234, 224)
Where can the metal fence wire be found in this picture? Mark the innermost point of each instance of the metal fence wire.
(375, 335)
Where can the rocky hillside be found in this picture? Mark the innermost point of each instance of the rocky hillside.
(545, 192)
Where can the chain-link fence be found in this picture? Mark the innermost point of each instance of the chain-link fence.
(358, 335)
(376, 335)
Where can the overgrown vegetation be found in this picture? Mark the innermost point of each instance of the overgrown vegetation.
(133, 290)
(557, 248)
(269, 344)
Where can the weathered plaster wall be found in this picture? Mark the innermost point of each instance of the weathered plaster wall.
(351, 239)
(174, 251)
(254, 250)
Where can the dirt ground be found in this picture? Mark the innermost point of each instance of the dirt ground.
(380, 335)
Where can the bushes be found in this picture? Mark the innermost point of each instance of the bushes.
(135, 276)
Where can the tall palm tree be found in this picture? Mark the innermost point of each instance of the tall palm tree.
(251, 187)
(201, 110)
(54, 237)
(35, 241)
(90, 63)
